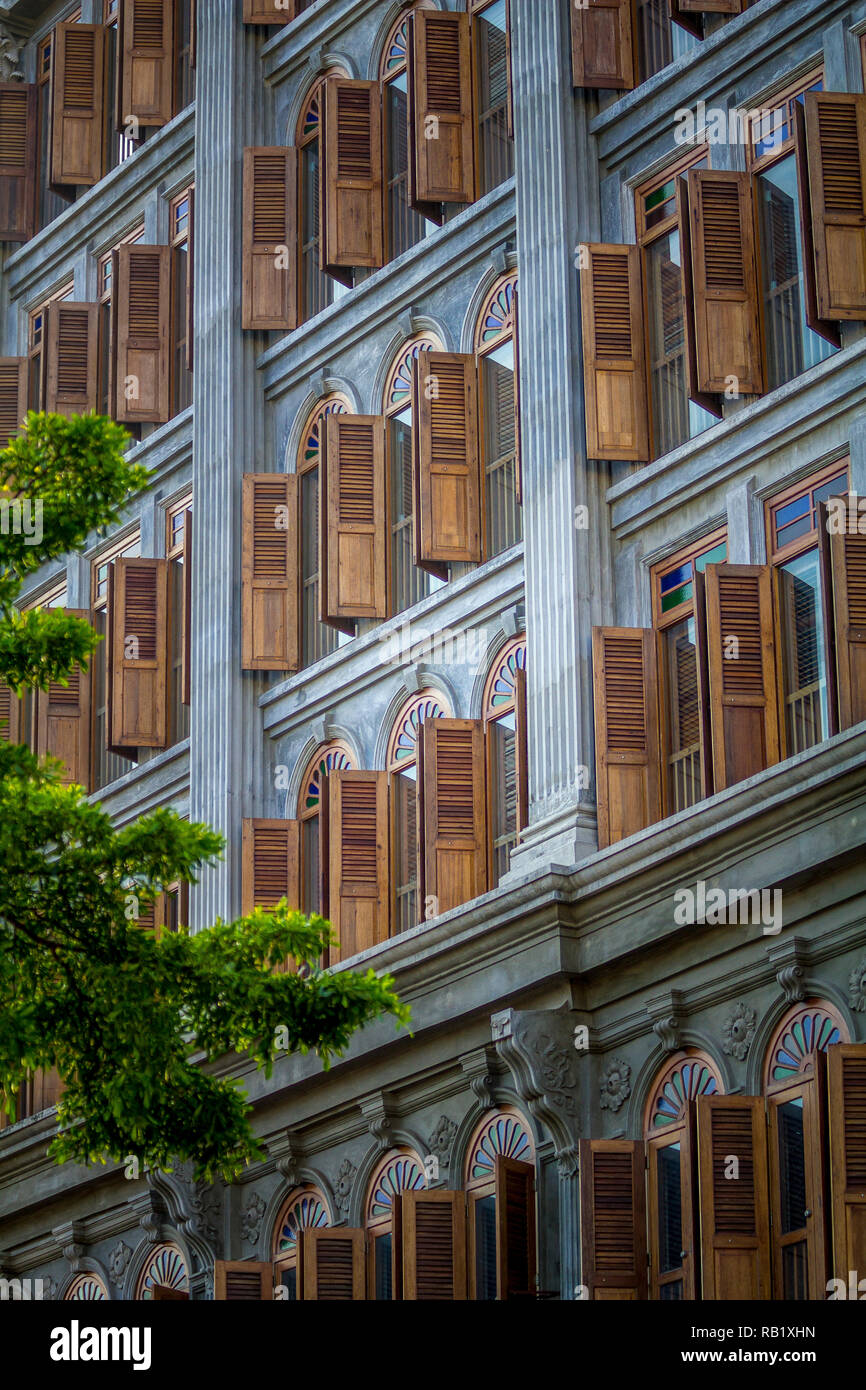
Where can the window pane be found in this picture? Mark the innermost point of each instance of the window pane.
(503, 775)
(792, 1165)
(485, 1249)
(383, 1263)
(404, 788)
(178, 711)
(289, 1281)
(311, 898)
(405, 227)
(408, 582)
(803, 652)
(675, 417)
(51, 204)
(496, 162)
(670, 1204)
(660, 41)
(682, 716)
(318, 289)
(317, 639)
(182, 383)
(106, 766)
(504, 514)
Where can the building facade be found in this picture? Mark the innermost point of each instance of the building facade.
(530, 653)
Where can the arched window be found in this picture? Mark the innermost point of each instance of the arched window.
(409, 582)
(491, 25)
(315, 289)
(304, 1209)
(86, 1286)
(317, 638)
(331, 756)
(401, 1171)
(403, 226)
(165, 1273)
(495, 335)
(500, 1170)
(403, 769)
(505, 729)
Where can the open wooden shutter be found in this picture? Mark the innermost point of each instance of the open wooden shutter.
(433, 1228)
(848, 565)
(19, 128)
(71, 357)
(10, 715)
(447, 458)
(352, 523)
(13, 397)
(625, 686)
(515, 1227)
(270, 238)
(744, 702)
(687, 277)
(735, 1227)
(358, 843)
(351, 186)
(332, 1264)
(441, 121)
(270, 572)
(836, 147)
(612, 1219)
(603, 50)
(672, 1195)
(268, 11)
(270, 870)
(242, 1281)
(63, 721)
(139, 654)
(825, 327)
(77, 104)
(140, 316)
(728, 343)
(846, 1069)
(186, 668)
(614, 354)
(146, 52)
(451, 786)
(799, 1212)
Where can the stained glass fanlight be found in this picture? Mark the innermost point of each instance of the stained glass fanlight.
(681, 1081)
(87, 1286)
(496, 319)
(501, 687)
(503, 1134)
(166, 1268)
(332, 759)
(811, 1027)
(404, 745)
(312, 435)
(402, 1173)
(399, 388)
(395, 55)
(304, 1211)
(310, 118)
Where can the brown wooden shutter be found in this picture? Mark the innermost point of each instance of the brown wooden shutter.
(268, 11)
(152, 919)
(139, 669)
(848, 564)
(10, 715)
(452, 787)
(735, 1228)
(625, 687)
(825, 327)
(744, 702)
(441, 120)
(333, 1264)
(662, 1203)
(186, 668)
(63, 721)
(140, 316)
(836, 146)
(270, 238)
(19, 151)
(351, 186)
(352, 518)
(189, 306)
(77, 104)
(846, 1066)
(613, 1218)
(689, 7)
(146, 53)
(521, 737)
(270, 572)
(687, 276)
(270, 864)
(447, 458)
(808, 1242)
(614, 354)
(603, 44)
(358, 842)
(242, 1281)
(515, 1228)
(13, 397)
(433, 1226)
(71, 358)
(161, 1293)
(725, 274)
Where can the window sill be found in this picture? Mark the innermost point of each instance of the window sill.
(162, 781)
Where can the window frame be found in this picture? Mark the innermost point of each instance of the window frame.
(493, 715)
(176, 553)
(283, 1261)
(478, 1188)
(381, 1225)
(179, 241)
(482, 351)
(306, 463)
(119, 546)
(779, 555)
(104, 292)
(334, 746)
(36, 345)
(303, 140)
(395, 767)
(476, 10)
(391, 410)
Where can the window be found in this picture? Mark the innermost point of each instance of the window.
(178, 520)
(402, 1171)
(107, 404)
(501, 1151)
(181, 213)
(56, 597)
(505, 730)
(184, 40)
(403, 768)
(315, 289)
(331, 757)
(88, 1287)
(660, 40)
(408, 581)
(36, 347)
(491, 23)
(50, 203)
(495, 347)
(403, 226)
(304, 1210)
(165, 1269)
(119, 145)
(107, 764)
(317, 638)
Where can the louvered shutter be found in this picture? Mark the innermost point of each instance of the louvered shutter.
(71, 358)
(515, 1227)
(270, 572)
(358, 842)
(825, 327)
(186, 668)
(744, 703)
(351, 185)
(441, 121)
(625, 686)
(454, 812)
(846, 1070)
(352, 519)
(799, 1210)
(614, 357)
(732, 1167)
(848, 564)
(268, 11)
(242, 1281)
(433, 1230)
(63, 721)
(725, 281)
(270, 238)
(151, 919)
(145, 53)
(13, 397)
(77, 104)
(687, 279)
(10, 715)
(333, 1264)
(603, 44)
(446, 458)
(672, 1196)
(270, 864)
(140, 315)
(612, 1219)
(139, 654)
(19, 126)
(836, 146)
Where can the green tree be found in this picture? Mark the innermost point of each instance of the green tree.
(134, 1025)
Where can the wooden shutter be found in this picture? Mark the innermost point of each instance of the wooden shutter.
(140, 316)
(333, 1264)
(433, 1228)
(625, 687)
(603, 44)
(139, 669)
(358, 842)
(152, 919)
(13, 397)
(63, 721)
(77, 104)
(744, 702)
(270, 239)
(19, 127)
(146, 56)
(683, 1280)
(161, 1293)
(735, 1228)
(451, 785)
(515, 1227)
(447, 458)
(687, 277)
(268, 11)
(441, 120)
(825, 327)
(186, 668)
(270, 870)
(269, 589)
(725, 281)
(846, 1066)
(189, 306)
(614, 355)
(809, 1242)
(689, 7)
(352, 519)
(836, 147)
(612, 1218)
(848, 565)
(242, 1281)
(10, 715)
(71, 358)
(351, 185)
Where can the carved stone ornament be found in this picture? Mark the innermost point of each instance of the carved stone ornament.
(537, 1045)
(738, 1030)
(343, 1188)
(251, 1219)
(441, 1139)
(49, 1289)
(857, 988)
(10, 56)
(118, 1261)
(615, 1085)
